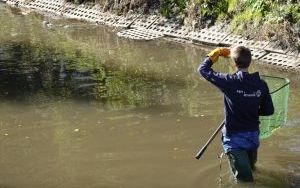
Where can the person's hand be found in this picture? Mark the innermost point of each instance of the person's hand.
(214, 55)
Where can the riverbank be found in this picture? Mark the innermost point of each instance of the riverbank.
(152, 26)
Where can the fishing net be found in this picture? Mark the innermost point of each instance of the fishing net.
(279, 90)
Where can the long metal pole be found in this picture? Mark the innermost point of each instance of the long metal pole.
(202, 150)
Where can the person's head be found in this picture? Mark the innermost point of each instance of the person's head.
(241, 56)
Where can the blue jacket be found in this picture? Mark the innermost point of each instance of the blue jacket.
(246, 97)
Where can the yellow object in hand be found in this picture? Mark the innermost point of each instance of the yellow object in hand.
(214, 55)
(225, 52)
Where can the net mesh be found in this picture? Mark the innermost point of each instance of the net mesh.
(279, 89)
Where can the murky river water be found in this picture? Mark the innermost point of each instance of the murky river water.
(82, 108)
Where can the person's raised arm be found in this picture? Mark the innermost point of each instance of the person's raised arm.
(205, 69)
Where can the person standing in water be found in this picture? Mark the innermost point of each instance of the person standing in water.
(246, 97)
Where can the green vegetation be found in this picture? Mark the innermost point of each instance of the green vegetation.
(272, 20)
(276, 20)
(171, 8)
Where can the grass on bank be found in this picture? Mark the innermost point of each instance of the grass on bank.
(277, 20)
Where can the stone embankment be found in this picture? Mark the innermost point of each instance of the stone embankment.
(149, 27)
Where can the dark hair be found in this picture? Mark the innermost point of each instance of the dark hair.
(241, 56)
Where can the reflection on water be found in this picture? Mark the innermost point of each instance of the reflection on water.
(82, 108)
(58, 75)
(33, 69)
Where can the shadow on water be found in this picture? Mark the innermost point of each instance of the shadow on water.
(275, 178)
(263, 178)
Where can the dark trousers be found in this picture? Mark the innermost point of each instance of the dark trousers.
(242, 164)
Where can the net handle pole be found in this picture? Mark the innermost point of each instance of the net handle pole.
(202, 150)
